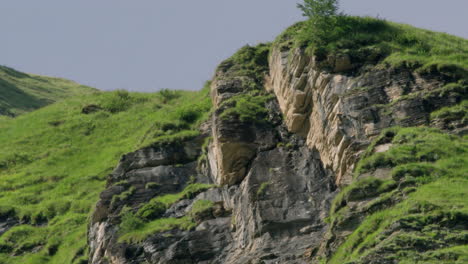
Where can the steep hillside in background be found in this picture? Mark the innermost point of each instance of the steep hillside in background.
(275, 175)
(21, 92)
(349, 151)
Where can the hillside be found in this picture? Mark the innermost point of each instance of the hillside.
(54, 162)
(349, 150)
(21, 92)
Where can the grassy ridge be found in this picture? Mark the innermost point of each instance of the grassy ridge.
(21, 92)
(370, 40)
(54, 162)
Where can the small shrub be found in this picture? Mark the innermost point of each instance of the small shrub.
(118, 101)
(322, 16)
(168, 95)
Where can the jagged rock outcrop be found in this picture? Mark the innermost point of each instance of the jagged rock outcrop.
(272, 173)
(340, 112)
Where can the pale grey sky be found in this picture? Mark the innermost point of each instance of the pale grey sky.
(146, 45)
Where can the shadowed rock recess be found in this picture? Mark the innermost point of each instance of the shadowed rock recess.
(257, 186)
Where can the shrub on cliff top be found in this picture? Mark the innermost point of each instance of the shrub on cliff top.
(322, 16)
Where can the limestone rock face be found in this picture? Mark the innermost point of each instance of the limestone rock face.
(339, 113)
(273, 176)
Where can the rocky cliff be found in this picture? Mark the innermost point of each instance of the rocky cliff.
(285, 135)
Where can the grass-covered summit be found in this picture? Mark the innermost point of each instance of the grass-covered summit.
(21, 92)
(371, 40)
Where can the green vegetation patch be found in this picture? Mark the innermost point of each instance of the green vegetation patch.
(189, 192)
(157, 206)
(249, 66)
(201, 208)
(247, 107)
(371, 40)
(54, 163)
(251, 62)
(138, 233)
(134, 228)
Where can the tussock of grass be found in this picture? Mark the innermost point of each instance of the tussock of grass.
(54, 162)
(188, 193)
(201, 206)
(140, 233)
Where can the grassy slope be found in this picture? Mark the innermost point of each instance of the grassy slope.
(430, 177)
(54, 162)
(21, 92)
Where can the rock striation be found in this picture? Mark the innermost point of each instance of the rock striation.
(340, 112)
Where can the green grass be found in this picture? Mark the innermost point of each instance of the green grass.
(249, 107)
(54, 163)
(250, 62)
(436, 165)
(21, 92)
(371, 40)
(133, 229)
(140, 233)
(157, 206)
(418, 145)
(201, 206)
(188, 193)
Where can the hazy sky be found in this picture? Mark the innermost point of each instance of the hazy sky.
(145, 45)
